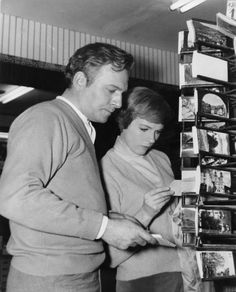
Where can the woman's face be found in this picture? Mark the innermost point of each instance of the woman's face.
(141, 135)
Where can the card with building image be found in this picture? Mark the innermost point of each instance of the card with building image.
(231, 9)
(216, 181)
(215, 264)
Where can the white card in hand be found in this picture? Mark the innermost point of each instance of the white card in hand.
(163, 241)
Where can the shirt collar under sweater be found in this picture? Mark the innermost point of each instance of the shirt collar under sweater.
(142, 163)
(88, 125)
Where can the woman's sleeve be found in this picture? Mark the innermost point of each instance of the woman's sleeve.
(114, 195)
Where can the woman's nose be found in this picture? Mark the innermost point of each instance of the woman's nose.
(152, 137)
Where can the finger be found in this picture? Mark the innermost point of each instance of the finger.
(141, 241)
(147, 237)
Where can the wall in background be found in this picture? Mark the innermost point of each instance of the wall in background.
(41, 42)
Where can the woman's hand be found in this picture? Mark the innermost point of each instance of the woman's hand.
(155, 199)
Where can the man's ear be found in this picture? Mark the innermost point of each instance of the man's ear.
(79, 80)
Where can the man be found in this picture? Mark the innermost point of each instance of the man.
(50, 188)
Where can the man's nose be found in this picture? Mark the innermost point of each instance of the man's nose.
(117, 100)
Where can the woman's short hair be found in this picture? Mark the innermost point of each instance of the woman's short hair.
(91, 57)
(143, 103)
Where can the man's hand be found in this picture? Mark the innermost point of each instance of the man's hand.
(124, 233)
(156, 199)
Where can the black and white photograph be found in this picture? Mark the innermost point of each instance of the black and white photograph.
(213, 104)
(215, 264)
(215, 221)
(117, 124)
(213, 142)
(186, 146)
(216, 181)
(188, 215)
(187, 108)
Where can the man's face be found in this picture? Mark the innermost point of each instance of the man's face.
(104, 94)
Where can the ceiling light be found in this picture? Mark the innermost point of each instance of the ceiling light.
(185, 5)
(12, 95)
(179, 3)
(191, 5)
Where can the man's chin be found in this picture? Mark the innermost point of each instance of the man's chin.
(103, 120)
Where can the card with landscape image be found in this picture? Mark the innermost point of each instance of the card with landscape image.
(186, 144)
(188, 219)
(214, 142)
(207, 33)
(215, 264)
(212, 104)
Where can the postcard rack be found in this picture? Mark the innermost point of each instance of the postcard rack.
(207, 113)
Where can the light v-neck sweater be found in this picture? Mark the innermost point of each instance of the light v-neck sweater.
(50, 189)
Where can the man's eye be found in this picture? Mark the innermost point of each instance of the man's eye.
(112, 90)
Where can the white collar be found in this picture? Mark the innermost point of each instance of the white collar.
(88, 125)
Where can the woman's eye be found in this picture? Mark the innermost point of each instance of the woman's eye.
(143, 129)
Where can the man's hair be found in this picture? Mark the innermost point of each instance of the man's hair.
(90, 58)
(144, 103)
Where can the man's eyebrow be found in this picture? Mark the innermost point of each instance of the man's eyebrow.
(117, 87)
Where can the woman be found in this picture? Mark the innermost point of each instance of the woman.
(137, 179)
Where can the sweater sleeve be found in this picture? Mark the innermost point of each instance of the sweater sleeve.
(114, 194)
(36, 151)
